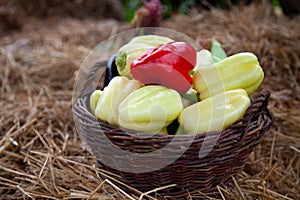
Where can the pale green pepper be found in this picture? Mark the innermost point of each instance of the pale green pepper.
(241, 70)
(94, 98)
(113, 94)
(214, 113)
(134, 48)
(150, 109)
(204, 59)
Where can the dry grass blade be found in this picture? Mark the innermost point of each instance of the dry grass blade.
(295, 149)
(98, 187)
(274, 193)
(238, 188)
(119, 189)
(221, 190)
(17, 172)
(155, 190)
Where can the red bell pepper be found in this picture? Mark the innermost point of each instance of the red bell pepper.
(168, 65)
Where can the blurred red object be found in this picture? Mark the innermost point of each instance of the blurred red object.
(150, 15)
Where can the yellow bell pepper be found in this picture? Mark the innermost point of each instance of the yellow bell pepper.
(113, 94)
(215, 113)
(241, 70)
(150, 109)
(134, 48)
(94, 98)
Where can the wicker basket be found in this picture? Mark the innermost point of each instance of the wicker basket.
(189, 172)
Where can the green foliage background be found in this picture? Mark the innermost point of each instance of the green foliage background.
(130, 6)
(169, 7)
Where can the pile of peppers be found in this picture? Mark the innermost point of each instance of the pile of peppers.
(165, 86)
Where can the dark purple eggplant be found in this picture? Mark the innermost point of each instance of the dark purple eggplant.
(111, 70)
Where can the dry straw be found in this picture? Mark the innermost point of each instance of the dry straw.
(41, 155)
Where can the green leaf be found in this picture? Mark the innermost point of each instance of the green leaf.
(185, 5)
(180, 131)
(217, 51)
(275, 3)
(191, 97)
(129, 8)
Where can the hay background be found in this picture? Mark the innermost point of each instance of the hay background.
(41, 155)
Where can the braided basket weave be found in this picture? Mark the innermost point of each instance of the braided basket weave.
(189, 172)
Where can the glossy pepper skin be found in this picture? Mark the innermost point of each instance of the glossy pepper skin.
(168, 65)
(111, 70)
(109, 99)
(94, 98)
(215, 113)
(240, 70)
(150, 109)
(134, 48)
